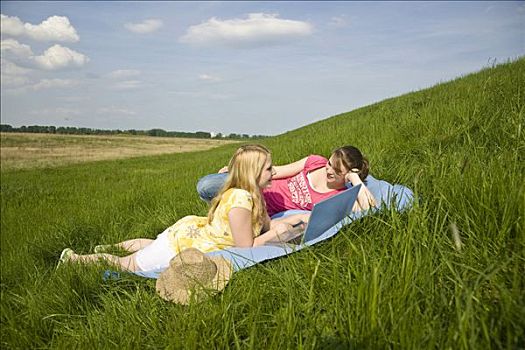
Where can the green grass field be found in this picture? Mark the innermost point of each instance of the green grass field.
(389, 280)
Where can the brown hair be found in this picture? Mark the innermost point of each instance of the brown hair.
(244, 172)
(350, 157)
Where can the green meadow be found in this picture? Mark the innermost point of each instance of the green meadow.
(390, 280)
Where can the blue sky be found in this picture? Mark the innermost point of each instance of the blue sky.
(241, 67)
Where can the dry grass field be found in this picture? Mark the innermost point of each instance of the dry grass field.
(30, 150)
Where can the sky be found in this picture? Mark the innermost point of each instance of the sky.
(257, 68)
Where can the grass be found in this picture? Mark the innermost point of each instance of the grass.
(29, 150)
(391, 280)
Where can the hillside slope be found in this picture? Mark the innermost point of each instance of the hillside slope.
(389, 280)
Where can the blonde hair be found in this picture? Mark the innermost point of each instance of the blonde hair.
(244, 172)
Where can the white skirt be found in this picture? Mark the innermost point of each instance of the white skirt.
(157, 255)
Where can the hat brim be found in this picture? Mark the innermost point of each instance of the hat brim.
(183, 296)
(224, 272)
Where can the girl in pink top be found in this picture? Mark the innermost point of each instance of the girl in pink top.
(300, 191)
(301, 184)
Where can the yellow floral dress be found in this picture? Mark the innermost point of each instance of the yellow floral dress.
(195, 232)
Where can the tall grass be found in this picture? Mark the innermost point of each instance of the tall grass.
(391, 280)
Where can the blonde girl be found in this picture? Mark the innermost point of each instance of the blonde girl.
(237, 218)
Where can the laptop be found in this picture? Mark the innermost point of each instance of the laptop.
(329, 212)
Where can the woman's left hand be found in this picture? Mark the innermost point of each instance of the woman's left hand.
(365, 198)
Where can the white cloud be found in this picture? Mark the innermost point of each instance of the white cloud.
(338, 21)
(54, 83)
(22, 84)
(123, 73)
(14, 48)
(57, 57)
(9, 68)
(146, 26)
(54, 28)
(11, 25)
(59, 112)
(127, 85)
(13, 75)
(257, 29)
(115, 110)
(14, 81)
(208, 77)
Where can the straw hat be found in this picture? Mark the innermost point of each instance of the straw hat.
(192, 274)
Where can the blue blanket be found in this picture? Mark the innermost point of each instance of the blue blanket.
(396, 196)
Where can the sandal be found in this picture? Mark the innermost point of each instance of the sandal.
(65, 256)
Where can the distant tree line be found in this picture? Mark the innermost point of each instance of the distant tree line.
(71, 130)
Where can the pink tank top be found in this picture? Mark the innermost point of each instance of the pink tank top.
(295, 192)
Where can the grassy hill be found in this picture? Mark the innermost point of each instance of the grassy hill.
(387, 281)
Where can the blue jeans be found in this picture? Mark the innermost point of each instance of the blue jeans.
(209, 185)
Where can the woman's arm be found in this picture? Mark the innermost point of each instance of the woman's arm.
(281, 171)
(293, 219)
(365, 198)
(289, 170)
(284, 229)
(241, 227)
(281, 230)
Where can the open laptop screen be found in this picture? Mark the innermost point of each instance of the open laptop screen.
(329, 212)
